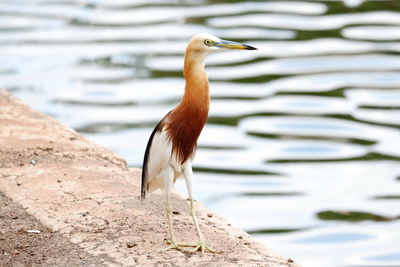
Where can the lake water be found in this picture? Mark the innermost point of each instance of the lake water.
(302, 147)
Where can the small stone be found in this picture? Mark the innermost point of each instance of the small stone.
(131, 244)
(33, 162)
(19, 183)
(240, 237)
(59, 180)
(209, 215)
(289, 260)
(33, 231)
(176, 212)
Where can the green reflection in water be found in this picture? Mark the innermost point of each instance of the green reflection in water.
(353, 216)
(379, 107)
(111, 103)
(339, 92)
(234, 172)
(275, 231)
(295, 137)
(221, 147)
(369, 156)
(388, 197)
(270, 194)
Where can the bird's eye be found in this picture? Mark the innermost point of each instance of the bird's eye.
(208, 42)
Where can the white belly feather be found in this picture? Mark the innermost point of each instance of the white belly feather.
(160, 156)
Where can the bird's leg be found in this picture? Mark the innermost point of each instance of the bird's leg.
(201, 244)
(168, 179)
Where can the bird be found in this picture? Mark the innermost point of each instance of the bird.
(173, 142)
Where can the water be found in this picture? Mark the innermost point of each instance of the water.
(302, 148)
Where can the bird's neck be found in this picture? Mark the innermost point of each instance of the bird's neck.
(196, 88)
(187, 120)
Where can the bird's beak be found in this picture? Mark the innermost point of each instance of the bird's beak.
(234, 45)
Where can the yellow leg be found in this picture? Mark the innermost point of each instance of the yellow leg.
(201, 244)
(173, 244)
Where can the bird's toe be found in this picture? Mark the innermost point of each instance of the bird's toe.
(203, 247)
(173, 244)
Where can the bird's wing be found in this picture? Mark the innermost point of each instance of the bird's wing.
(156, 158)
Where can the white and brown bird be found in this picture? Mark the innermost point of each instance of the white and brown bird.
(172, 144)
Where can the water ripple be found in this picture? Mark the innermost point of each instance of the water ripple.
(313, 23)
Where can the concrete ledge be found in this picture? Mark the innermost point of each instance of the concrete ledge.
(87, 194)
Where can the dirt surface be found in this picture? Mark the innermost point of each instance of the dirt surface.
(85, 196)
(21, 246)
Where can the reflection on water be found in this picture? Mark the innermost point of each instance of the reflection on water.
(302, 145)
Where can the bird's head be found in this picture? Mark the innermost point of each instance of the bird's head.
(206, 43)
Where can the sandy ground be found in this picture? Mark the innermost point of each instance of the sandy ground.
(20, 246)
(86, 203)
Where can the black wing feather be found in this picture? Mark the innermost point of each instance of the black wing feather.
(158, 128)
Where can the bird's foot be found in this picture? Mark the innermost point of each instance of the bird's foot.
(202, 246)
(173, 244)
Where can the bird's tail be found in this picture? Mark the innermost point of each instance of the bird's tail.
(143, 187)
